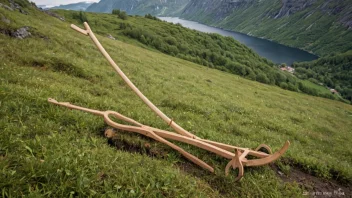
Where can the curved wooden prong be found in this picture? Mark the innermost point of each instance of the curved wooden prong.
(264, 146)
(269, 159)
(80, 30)
(236, 162)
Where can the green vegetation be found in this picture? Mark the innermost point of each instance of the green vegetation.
(80, 16)
(315, 29)
(51, 151)
(149, 16)
(210, 50)
(333, 71)
(121, 14)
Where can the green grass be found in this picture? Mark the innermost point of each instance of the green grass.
(76, 160)
(319, 88)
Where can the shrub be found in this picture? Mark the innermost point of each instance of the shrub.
(149, 16)
(81, 16)
(121, 14)
(283, 85)
(261, 77)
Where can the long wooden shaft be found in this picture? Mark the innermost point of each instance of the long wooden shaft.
(175, 126)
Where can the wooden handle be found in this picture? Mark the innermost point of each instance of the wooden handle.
(82, 31)
(175, 126)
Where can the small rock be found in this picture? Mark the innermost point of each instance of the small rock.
(23, 12)
(5, 20)
(280, 173)
(21, 33)
(54, 15)
(6, 7)
(110, 37)
(14, 5)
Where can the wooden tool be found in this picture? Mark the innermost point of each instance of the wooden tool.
(236, 155)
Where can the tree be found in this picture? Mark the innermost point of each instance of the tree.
(81, 16)
(121, 14)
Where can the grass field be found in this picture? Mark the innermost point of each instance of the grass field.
(51, 151)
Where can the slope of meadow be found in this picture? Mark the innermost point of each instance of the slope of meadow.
(51, 151)
(210, 50)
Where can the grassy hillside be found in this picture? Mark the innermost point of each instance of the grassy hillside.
(51, 151)
(210, 50)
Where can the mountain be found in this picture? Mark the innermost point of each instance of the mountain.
(321, 27)
(44, 6)
(140, 7)
(318, 26)
(74, 6)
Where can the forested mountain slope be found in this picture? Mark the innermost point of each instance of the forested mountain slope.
(334, 71)
(319, 26)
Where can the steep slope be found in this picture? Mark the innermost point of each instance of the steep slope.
(138, 7)
(318, 26)
(55, 152)
(74, 6)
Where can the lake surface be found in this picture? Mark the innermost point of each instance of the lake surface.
(273, 51)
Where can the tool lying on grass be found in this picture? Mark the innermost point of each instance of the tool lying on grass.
(237, 155)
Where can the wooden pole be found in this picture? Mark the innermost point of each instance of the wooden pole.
(175, 126)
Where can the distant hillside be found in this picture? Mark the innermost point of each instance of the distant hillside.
(138, 7)
(321, 27)
(333, 71)
(74, 6)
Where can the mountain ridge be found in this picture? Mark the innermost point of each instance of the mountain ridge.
(80, 6)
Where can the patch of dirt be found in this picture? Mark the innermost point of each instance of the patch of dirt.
(314, 186)
(119, 143)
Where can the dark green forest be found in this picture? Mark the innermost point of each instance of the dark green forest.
(334, 71)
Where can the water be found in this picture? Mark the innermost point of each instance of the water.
(273, 51)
